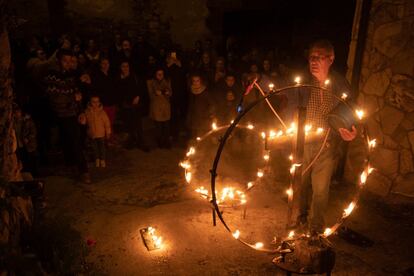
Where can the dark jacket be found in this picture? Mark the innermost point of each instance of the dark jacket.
(226, 101)
(104, 86)
(200, 112)
(131, 87)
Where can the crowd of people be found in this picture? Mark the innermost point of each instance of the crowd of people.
(92, 92)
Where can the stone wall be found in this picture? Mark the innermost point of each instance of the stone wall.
(386, 91)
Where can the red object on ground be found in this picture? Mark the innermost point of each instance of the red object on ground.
(90, 242)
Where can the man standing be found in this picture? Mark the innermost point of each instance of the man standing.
(314, 189)
(65, 99)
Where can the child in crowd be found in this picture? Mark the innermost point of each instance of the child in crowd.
(99, 129)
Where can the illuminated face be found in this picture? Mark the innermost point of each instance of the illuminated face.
(230, 81)
(159, 75)
(206, 58)
(125, 68)
(220, 64)
(266, 65)
(320, 60)
(254, 68)
(95, 102)
(104, 65)
(66, 63)
(196, 81)
(126, 45)
(41, 54)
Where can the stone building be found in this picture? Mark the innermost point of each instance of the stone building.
(386, 91)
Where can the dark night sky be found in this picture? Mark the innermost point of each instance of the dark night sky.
(293, 24)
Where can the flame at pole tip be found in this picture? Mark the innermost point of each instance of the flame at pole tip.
(327, 232)
(258, 245)
(349, 209)
(360, 113)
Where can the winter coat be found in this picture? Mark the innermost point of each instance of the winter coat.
(160, 107)
(226, 100)
(200, 111)
(97, 122)
(131, 87)
(104, 86)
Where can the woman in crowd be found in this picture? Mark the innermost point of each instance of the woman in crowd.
(200, 108)
(159, 89)
(132, 90)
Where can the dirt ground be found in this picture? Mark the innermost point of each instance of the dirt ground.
(148, 189)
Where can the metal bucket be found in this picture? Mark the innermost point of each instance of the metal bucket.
(342, 116)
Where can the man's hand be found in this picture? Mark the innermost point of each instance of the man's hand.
(348, 135)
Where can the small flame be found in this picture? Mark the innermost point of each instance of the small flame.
(203, 191)
(291, 157)
(191, 151)
(156, 239)
(308, 128)
(185, 165)
(250, 126)
(370, 170)
(263, 135)
(272, 134)
(293, 168)
(249, 185)
(372, 143)
(298, 79)
(289, 192)
(319, 130)
(344, 96)
(236, 234)
(188, 176)
(291, 129)
(214, 126)
(260, 174)
(258, 245)
(271, 86)
(291, 234)
(363, 177)
(359, 113)
(326, 82)
(198, 139)
(266, 157)
(327, 232)
(232, 121)
(349, 209)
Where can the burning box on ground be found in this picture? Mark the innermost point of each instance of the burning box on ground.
(151, 238)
